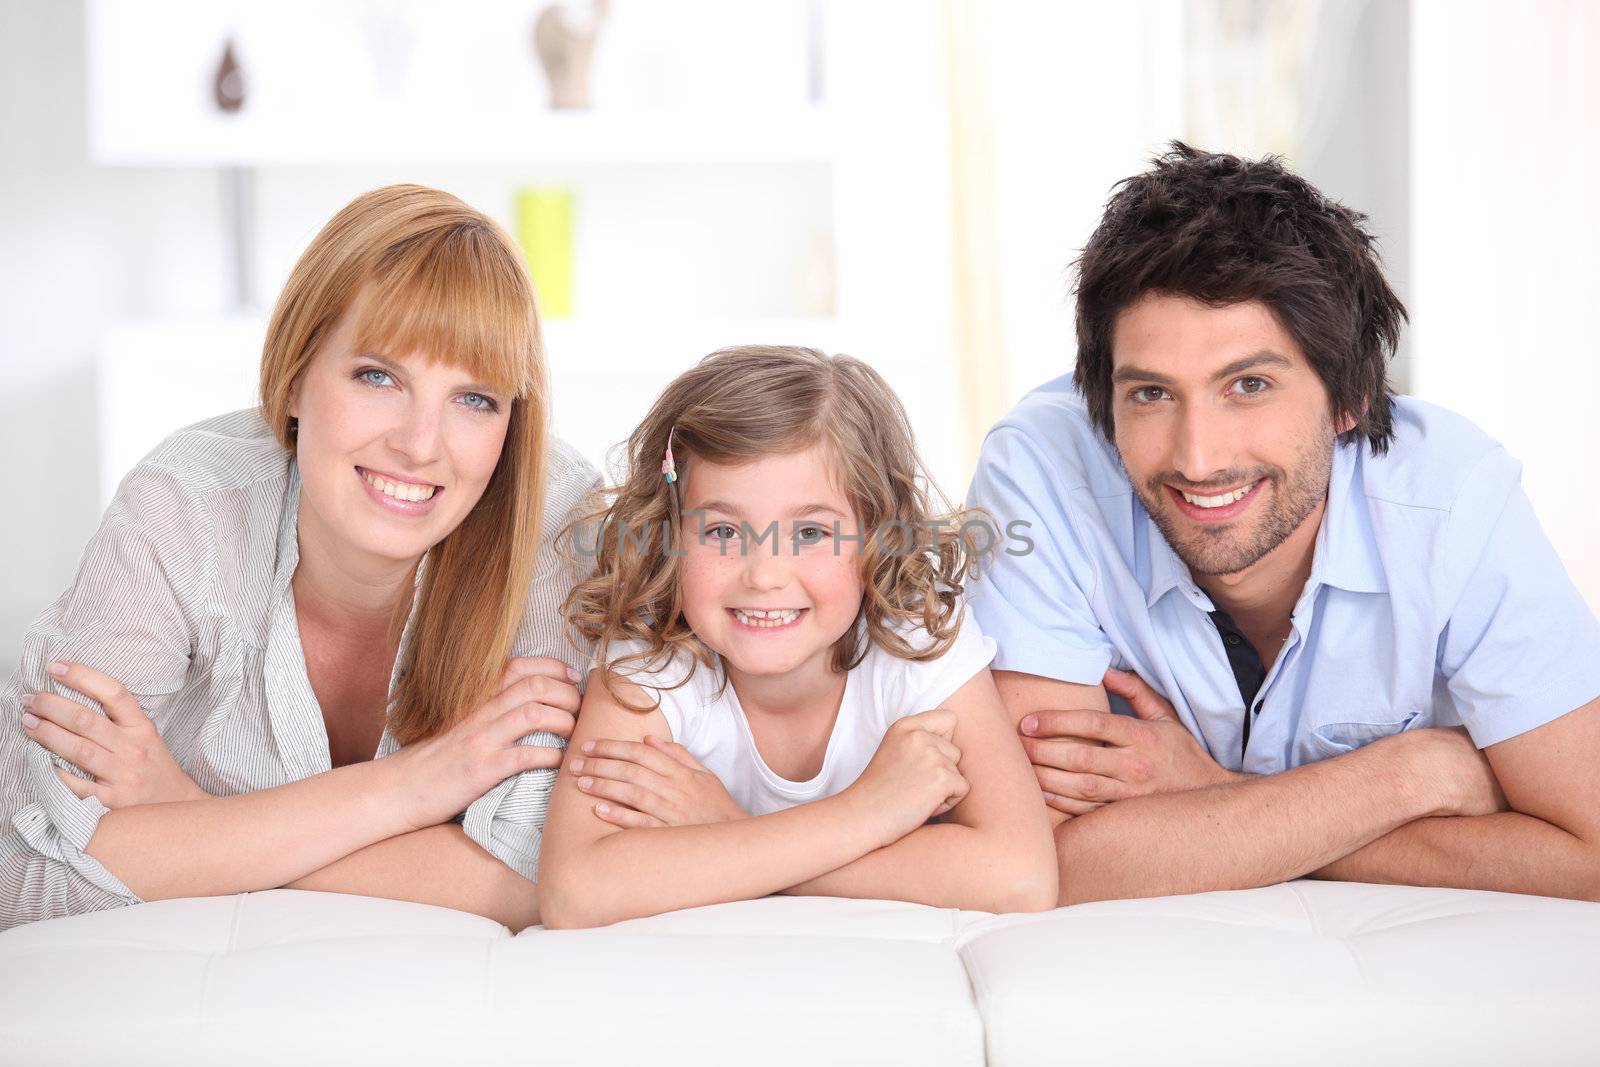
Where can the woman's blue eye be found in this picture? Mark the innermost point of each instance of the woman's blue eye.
(371, 376)
(479, 402)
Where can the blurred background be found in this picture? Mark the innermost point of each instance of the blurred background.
(904, 180)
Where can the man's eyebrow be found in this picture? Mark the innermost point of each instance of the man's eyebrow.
(1264, 358)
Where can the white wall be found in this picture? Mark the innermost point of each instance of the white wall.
(79, 248)
(1506, 243)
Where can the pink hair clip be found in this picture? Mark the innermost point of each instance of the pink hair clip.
(668, 467)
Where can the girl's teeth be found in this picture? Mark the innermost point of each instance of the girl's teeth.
(399, 490)
(765, 620)
(1218, 501)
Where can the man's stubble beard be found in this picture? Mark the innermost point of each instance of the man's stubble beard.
(1227, 549)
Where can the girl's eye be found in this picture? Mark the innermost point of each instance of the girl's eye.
(1250, 385)
(722, 531)
(479, 402)
(374, 376)
(1147, 394)
(810, 534)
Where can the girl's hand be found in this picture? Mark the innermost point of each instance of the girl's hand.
(121, 749)
(440, 776)
(913, 775)
(656, 783)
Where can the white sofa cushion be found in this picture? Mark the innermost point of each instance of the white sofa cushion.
(1303, 972)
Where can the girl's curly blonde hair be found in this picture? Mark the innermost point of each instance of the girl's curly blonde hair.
(739, 405)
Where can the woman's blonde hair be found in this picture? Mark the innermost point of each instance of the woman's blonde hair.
(439, 278)
(741, 404)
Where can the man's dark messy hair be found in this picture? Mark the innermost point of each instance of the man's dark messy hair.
(1223, 230)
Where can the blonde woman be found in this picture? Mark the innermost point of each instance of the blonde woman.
(362, 567)
(790, 688)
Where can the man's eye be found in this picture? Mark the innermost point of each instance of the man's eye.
(1147, 394)
(1250, 385)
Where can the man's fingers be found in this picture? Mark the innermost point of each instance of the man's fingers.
(1091, 787)
(625, 817)
(1077, 722)
(1074, 756)
(1070, 805)
(82, 788)
(113, 696)
(1145, 701)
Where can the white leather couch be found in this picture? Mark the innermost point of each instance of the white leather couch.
(1306, 972)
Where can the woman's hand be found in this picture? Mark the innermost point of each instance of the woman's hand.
(913, 776)
(440, 776)
(122, 749)
(656, 783)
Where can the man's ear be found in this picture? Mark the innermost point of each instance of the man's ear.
(1346, 422)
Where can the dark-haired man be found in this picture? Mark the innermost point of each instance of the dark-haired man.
(1349, 649)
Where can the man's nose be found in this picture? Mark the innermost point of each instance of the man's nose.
(1201, 449)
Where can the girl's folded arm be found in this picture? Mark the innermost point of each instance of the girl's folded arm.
(992, 852)
(593, 873)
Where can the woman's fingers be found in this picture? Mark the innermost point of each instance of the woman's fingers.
(82, 788)
(113, 696)
(636, 752)
(78, 751)
(522, 758)
(72, 717)
(532, 717)
(549, 684)
(625, 817)
(636, 797)
(617, 770)
(674, 750)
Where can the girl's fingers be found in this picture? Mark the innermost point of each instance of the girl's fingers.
(624, 817)
(74, 718)
(940, 721)
(81, 788)
(119, 704)
(78, 751)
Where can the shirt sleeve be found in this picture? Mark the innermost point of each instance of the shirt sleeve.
(1520, 647)
(508, 821)
(124, 614)
(929, 683)
(1034, 592)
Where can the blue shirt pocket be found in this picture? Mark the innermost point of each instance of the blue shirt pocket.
(1336, 738)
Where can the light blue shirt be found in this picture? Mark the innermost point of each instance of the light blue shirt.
(1434, 598)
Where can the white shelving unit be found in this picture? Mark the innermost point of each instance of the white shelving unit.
(705, 208)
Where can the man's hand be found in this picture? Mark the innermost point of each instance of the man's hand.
(1084, 759)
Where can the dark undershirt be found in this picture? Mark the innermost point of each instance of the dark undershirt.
(1248, 670)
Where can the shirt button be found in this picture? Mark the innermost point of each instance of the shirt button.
(1232, 640)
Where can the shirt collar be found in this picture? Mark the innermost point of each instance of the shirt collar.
(1346, 554)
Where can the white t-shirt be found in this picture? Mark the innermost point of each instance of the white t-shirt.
(882, 689)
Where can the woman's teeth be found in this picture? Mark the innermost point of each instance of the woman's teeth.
(766, 619)
(399, 490)
(1218, 501)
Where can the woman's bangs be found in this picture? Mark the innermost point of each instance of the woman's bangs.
(454, 301)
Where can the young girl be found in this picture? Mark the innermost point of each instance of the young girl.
(788, 688)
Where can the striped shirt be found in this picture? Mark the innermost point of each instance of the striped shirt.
(184, 596)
